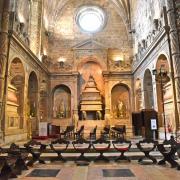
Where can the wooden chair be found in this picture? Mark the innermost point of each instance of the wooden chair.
(168, 149)
(35, 149)
(106, 131)
(68, 132)
(79, 133)
(118, 131)
(146, 146)
(93, 134)
(19, 156)
(81, 146)
(101, 146)
(6, 171)
(59, 146)
(122, 146)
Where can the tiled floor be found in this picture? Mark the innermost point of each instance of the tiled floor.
(69, 171)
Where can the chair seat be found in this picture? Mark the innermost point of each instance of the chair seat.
(122, 149)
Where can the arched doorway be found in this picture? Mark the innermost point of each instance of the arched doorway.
(138, 95)
(164, 92)
(120, 102)
(61, 102)
(148, 90)
(33, 102)
(15, 99)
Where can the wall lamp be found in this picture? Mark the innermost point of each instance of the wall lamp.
(61, 61)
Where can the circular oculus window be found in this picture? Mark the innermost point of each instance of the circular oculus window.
(90, 19)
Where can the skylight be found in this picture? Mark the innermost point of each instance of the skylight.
(90, 19)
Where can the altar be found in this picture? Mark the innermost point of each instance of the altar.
(91, 102)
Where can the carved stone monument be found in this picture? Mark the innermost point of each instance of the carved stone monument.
(91, 102)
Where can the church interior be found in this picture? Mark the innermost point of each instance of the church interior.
(52, 50)
(90, 64)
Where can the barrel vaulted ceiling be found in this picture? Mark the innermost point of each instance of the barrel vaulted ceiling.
(53, 9)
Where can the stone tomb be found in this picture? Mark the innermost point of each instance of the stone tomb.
(91, 102)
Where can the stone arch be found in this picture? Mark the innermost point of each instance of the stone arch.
(61, 102)
(164, 91)
(94, 59)
(148, 90)
(33, 102)
(91, 68)
(16, 87)
(120, 101)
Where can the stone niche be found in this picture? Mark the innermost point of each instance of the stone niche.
(12, 107)
(62, 102)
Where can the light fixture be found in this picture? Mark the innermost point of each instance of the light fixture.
(118, 59)
(61, 61)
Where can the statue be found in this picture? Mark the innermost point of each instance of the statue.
(121, 109)
(84, 115)
(98, 115)
(61, 113)
(75, 118)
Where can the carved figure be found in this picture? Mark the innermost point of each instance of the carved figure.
(75, 118)
(98, 115)
(84, 115)
(121, 109)
(61, 109)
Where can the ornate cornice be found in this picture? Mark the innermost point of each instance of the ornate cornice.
(149, 50)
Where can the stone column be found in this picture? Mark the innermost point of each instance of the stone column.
(107, 101)
(3, 61)
(174, 50)
(74, 111)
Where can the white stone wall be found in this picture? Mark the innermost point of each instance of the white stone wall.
(143, 14)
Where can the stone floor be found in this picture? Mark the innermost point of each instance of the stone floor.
(101, 171)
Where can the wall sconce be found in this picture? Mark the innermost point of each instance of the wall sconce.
(61, 61)
(118, 60)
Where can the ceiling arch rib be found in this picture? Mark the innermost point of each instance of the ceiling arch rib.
(53, 9)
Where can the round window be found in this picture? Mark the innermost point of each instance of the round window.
(90, 19)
